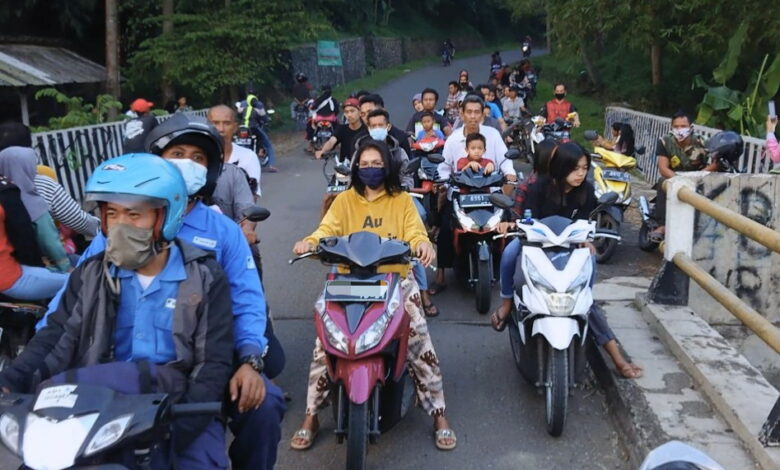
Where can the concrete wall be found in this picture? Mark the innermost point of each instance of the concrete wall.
(747, 268)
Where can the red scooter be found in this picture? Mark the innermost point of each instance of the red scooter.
(361, 323)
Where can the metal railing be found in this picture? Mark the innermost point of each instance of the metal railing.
(74, 153)
(649, 128)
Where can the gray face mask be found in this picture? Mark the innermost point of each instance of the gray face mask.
(130, 247)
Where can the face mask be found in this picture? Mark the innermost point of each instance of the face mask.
(681, 133)
(560, 96)
(378, 133)
(130, 247)
(372, 177)
(194, 174)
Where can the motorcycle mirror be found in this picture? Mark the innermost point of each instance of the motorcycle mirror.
(256, 213)
(502, 200)
(640, 150)
(591, 135)
(608, 198)
(414, 164)
(435, 158)
(343, 169)
(512, 154)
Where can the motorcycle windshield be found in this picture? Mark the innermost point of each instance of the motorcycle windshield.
(469, 179)
(363, 249)
(556, 223)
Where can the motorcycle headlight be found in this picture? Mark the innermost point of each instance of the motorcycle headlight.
(9, 432)
(582, 280)
(108, 434)
(373, 335)
(559, 303)
(336, 338)
(465, 221)
(319, 305)
(494, 220)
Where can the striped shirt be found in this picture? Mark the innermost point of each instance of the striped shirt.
(64, 209)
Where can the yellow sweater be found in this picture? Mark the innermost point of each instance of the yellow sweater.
(387, 216)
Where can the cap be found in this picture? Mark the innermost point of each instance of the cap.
(354, 102)
(140, 105)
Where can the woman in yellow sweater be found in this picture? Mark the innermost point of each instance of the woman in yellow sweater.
(376, 203)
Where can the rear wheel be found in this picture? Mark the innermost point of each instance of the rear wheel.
(605, 247)
(645, 244)
(483, 285)
(357, 436)
(556, 389)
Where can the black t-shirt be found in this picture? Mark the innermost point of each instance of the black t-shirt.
(542, 205)
(415, 126)
(394, 132)
(346, 139)
(135, 132)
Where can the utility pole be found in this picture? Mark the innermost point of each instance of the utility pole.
(112, 52)
(168, 93)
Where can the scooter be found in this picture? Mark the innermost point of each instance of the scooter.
(549, 323)
(302, 114)
(675, 455)
(520, 133)
(323, 131)
(526, 50)
(424, 167)
(475, 220)
(72, 426)
(336, 172)
(362, 326)
(17, 327)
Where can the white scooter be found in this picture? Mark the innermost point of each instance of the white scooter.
(549, 323)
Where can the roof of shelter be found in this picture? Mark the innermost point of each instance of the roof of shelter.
(24, 64)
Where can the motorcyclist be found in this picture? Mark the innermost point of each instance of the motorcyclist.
(464, 82)
(448, 48)
(143, 275)
(376, 195)
(255, 117)
(513, 105)
(725, 148)
(679, 150)
(452, 106)
(256, 406)
(561, 188)
(495, 62)
(622, 139)
(225, 119)
(429, 97)
(373, 101)
(301, 93)
(345, 135)
(559, 106)
(140, 124)
(325, 107)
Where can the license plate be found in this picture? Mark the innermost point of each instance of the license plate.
(243, 142)
(475, 200)
(337, 188)
(355, 291)
(614, 175)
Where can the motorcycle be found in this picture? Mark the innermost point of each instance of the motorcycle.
(72, 426)
(17, 327)
(323, 131)
(526, 49)
(424, 165)
(520, 135)
(649, 224)
(361, 323)
(336, 172)
(549, 323)
(475, 219)
(611, 176)
(679, 456)
(302, 114)
(249, 134)
(560, 129)
(446, 58)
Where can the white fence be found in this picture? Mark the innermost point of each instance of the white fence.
(648, 128)
(74, 153)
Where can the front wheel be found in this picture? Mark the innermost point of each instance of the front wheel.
(645, 243)
(556, 389)
(357, 436)
(483, 285)
(605, 247)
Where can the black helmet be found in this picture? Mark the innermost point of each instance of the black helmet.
(726, 147)
(192, 130)
(301, 77)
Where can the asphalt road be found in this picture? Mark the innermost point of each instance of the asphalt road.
(498, 417)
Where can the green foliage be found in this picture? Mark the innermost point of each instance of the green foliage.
(77, 112)
(213, 47)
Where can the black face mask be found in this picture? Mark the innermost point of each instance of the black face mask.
(560, 96)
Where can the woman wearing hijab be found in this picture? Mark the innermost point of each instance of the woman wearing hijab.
(18, 164)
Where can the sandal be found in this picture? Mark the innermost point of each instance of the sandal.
(431, 310)
(630, 371)
(436, 288)
(498, 323)
(441, 434)
(305, 435)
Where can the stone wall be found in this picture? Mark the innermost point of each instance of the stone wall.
(415, 49)
(383, 53)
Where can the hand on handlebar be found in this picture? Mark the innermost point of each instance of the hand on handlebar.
(489, 168)
(505, 227)
(302, 247)
(318, 154)
(589, 246)
(426, 254)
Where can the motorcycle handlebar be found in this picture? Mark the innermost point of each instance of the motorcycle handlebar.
(196, 409)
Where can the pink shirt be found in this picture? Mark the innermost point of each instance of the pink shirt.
(772, 147)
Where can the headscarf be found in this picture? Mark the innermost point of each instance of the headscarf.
(19, 165)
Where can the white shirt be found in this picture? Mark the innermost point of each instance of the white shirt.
(247, 160)
(455, 149)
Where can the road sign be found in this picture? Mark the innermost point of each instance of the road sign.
(328, 54)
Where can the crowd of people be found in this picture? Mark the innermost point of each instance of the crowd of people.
(168, 273)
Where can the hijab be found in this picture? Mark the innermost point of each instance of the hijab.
(19, 165)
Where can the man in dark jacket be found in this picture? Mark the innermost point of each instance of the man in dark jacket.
(148, 298)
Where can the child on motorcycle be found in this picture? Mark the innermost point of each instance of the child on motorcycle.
(560, 189)
(475, 148)
(427, 120)
(375, 195)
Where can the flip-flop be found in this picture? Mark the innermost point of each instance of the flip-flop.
(431, 310)
(656, 237)
(497, 323)
(436, 288)
(306, 435)
(630, 371)
(446, 433)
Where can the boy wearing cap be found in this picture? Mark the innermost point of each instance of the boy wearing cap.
(345, 134)
(137, 128)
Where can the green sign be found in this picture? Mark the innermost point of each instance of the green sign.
(328, 53)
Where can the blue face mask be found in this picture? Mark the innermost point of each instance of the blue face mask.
(372, 177)
(378, 133)
(194, 174)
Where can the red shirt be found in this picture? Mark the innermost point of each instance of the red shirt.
(10, 271)
(483, 162)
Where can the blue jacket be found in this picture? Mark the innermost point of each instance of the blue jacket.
(208, 230)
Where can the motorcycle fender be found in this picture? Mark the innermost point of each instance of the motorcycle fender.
(360, 376)
(484, 251)
(558, 331)
(616, 213)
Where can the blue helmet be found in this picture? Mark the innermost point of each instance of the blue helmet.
(142, 177)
